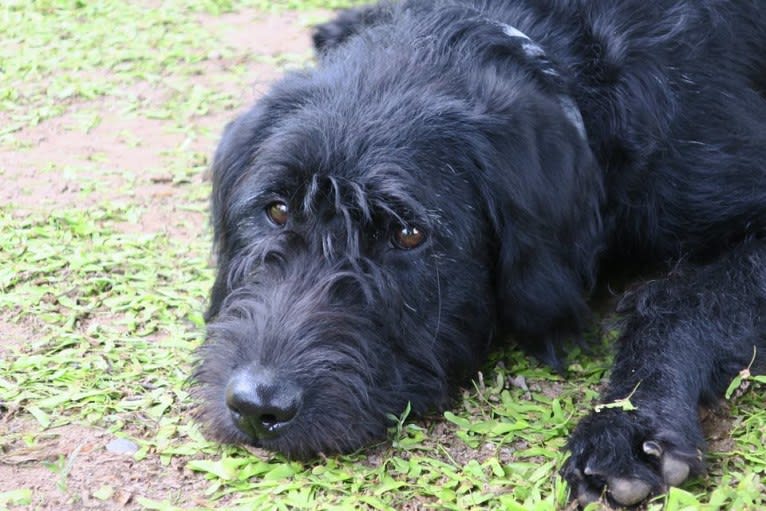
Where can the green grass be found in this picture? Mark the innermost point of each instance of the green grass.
(115, 315)
(56, 53)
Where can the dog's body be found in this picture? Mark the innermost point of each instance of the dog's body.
(454, 172)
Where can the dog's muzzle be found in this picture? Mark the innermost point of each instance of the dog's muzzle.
(261, 403)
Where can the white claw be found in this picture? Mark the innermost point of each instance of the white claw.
(586, 496)
(590, 471)
(652, 448)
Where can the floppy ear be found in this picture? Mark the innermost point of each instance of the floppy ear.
(545, 196)
(230, 160)
(540, 182)
(235, 157)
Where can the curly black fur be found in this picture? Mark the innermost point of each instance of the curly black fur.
(437, 115)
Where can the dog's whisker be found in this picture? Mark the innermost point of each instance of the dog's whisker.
(438, 301)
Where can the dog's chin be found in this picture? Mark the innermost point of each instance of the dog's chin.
(297, 443)
(323, 426)
(305, 438)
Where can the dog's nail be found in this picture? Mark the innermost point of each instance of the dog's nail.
(628, 492)
(590, 470)
(652, 448)
(576, 474)
(674, 470)
(586, 495)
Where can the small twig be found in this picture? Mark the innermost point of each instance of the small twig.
(624, 404)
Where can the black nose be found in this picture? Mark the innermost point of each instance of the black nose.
(261, 402)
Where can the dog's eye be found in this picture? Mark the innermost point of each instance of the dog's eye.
(408, 237)
(278, 213)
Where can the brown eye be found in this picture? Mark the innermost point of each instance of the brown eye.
(408, 237)
(278, 213)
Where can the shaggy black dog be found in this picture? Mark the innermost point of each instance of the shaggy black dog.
(455, 173)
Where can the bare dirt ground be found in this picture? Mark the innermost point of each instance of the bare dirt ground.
(71, 464)
(65, 467)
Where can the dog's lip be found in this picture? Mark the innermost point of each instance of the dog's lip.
(274, 430)
(255, 432)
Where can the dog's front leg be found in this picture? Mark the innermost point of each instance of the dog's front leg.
(686, 337)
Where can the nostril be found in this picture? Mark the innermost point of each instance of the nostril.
(261, 404)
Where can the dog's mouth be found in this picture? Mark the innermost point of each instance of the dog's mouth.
(259, 425)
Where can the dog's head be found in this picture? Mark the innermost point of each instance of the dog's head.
(378, 221)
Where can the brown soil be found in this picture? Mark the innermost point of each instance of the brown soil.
(13, 333)
(67, 467)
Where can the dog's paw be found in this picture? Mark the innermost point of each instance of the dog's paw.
(626, 457)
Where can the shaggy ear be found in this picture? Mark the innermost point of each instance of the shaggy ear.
(235, 157)
(545, 206)
(543, 187)
(235, 151)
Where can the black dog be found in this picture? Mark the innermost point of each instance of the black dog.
(456, 172)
